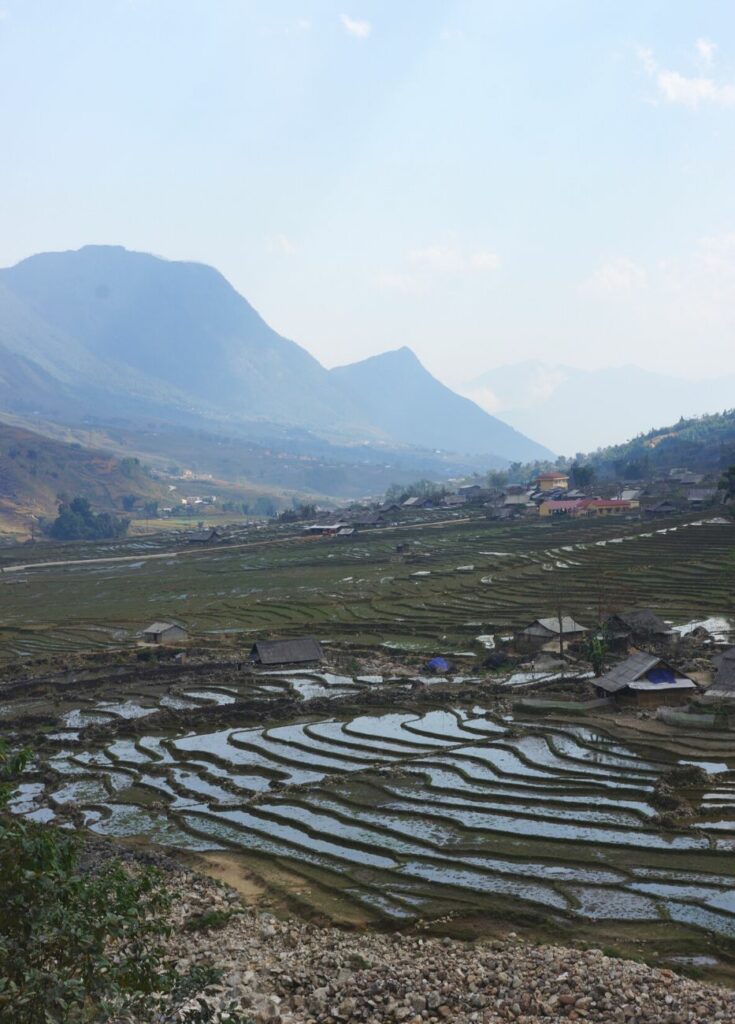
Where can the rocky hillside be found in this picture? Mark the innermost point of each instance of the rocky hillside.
(289, 972)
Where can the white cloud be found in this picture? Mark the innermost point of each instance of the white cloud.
(398, 282)
(452, 260)
(282, 244)
(706, 50)
(483, 260)
(690, 91)
(427, 264)
(437, 257)
(617, 276)
(360, 29)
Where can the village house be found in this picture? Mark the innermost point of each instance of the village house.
(301, 651)
(518, 500)
(631, 494)
(472, 491)
(646, 680)
(555, 507)
(542, 631)
(723, 684)
(700, 496)
(662, 508)
(165, 633)
(324, 529)
(552, 481)
(608, 507)
(636, 626)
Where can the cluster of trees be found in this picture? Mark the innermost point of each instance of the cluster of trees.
(77, 521)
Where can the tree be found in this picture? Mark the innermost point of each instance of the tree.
(77, 521)
(595, 647)
(150, 510)
(128, 502)
(727, 483)
(74, 947)
(582, 476)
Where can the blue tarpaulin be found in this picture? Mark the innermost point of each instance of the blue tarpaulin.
(438, 665)
(661, 675)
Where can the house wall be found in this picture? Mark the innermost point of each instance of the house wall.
(171, 636)
(551, 485)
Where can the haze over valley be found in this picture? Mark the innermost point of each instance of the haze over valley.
(367, 512)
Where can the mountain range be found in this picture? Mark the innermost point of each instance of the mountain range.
(110, 335)
(581, 410)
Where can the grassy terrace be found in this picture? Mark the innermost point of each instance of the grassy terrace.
(359, 590)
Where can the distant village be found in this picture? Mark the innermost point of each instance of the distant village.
(548, 496)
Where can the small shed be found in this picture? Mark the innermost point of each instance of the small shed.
(647, 680)
(212, 536)
(723, 684)
(541, 631)
(636, 625)
(165, 633)
(302, 651)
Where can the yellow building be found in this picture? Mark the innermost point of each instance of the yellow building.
(552, 481)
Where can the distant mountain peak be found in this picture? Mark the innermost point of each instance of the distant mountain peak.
(106, 331)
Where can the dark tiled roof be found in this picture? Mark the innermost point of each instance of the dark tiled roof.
(641, 620)
(287, 652)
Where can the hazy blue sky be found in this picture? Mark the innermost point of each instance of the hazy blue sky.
(484, 181)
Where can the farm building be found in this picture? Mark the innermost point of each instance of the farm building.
(165, 633)
(723, 685)
(212, 536)
(541, 631)
(647, 680)
(301, 651)
(638, 625)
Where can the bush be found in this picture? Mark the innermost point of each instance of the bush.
(74, 948)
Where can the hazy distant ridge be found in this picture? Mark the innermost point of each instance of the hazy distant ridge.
(105, 332)
(400, 397)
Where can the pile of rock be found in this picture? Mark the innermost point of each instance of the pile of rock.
(290, 972)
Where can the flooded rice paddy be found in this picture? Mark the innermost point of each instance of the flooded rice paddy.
(403, 813)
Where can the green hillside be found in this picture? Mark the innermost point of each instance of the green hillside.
(35, 471)
(704, 443)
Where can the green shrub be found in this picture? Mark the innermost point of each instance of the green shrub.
(74, 948)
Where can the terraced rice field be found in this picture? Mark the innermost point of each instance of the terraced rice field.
(454, 583)
(406, 813)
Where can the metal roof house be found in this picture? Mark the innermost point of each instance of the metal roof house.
(165, 633)
(723, 685)
(647, 680)
(541, 631)
(302, 651)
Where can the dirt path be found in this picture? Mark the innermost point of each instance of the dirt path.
(294, 538)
